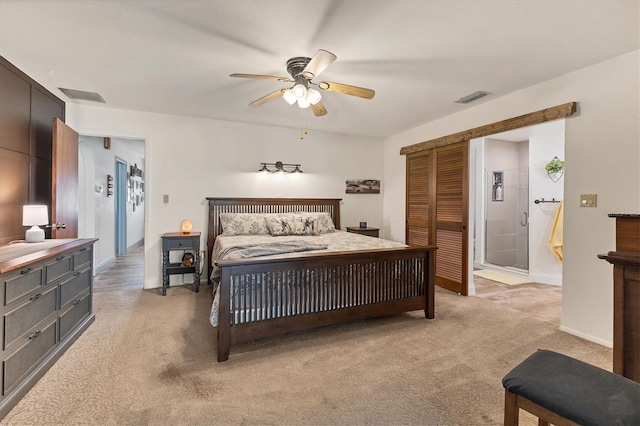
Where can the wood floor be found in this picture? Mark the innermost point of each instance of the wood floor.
(541, 300)
(127, 273)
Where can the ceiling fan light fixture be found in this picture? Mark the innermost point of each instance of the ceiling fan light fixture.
(313, 96)
(299, 91)
(289, 96)
(304, 103)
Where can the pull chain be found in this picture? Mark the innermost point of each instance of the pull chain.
(303, 130)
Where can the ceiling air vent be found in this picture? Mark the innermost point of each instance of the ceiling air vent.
(472, 97)
(82, 95)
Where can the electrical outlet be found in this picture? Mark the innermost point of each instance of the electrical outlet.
(588, 200)
(165, 198)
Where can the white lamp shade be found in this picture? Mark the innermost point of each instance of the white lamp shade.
(304, 103)
(299, 91)
(289, 97)
(313, 96)
(35, 215)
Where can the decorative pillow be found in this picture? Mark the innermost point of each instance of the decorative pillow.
(243, 223)
(324, 223)
(291, 224)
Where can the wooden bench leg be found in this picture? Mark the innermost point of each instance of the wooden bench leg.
(511, 409)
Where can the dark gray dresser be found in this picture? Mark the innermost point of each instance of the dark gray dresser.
(46, 303)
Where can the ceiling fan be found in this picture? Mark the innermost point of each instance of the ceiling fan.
(302, 71)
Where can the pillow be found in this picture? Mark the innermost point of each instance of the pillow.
(291, 224)
(324, 223)
(243, 223)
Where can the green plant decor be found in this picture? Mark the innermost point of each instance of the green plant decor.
(556, 165)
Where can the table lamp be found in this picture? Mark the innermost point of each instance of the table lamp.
(33, 216)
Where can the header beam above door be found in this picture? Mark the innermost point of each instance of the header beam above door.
(537, 117)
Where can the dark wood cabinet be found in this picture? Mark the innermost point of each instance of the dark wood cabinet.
(626, 295)
(27, 111)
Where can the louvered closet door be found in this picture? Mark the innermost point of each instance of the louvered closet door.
(451, 164)
(419, 181)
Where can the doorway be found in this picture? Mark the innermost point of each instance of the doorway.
(511, 230)
(121, 207)
(113, 206)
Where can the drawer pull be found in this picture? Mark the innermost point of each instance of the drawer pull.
(75, 302)
(26, 271)
(34, 335)
(35, 296)
(83, 249)
(75, 274)
(59, 257)
(180, 244)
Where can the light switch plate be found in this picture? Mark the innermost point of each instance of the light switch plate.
(588, 200)
(165, 198)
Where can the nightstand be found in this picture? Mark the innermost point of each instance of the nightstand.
(371, 232)
(174, 241)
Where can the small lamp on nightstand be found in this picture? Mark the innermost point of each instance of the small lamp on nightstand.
(186, 227)
(33, 216)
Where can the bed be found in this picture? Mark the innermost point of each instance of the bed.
(263, 296)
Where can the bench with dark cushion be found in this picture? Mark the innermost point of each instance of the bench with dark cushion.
(565, 391)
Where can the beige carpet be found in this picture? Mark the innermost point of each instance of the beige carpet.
(501, 277)
(150, 360)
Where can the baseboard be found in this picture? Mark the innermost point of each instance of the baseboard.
(136, 244)
(104, 265)
(546, 279)
(588, 337)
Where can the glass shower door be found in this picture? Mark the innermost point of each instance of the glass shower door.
(507, 218)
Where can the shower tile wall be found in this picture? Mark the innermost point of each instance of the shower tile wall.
(506, 238)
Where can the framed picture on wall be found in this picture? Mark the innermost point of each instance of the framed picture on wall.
(362, 186)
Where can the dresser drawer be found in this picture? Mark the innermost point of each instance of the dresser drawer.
(23, 318)
(82, 257)
(21, 282)
(28, 356)
(72, 287)
(59, 267)
(178, 243)
(80, 308)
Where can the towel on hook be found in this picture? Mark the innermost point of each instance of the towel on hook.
(555, 239)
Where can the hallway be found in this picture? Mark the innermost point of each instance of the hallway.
(127, 273)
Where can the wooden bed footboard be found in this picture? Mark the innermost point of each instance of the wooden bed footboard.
(268, 296)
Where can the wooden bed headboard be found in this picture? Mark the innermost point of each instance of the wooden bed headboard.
(265, 205)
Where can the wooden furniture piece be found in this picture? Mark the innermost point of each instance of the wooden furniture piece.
(27, 111)
(187, 243)
(626, 295)
(271, 295)
(46, 303)
(371, 232)
(565, 391)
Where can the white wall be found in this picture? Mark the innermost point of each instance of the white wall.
(602, 153)
(545, 141)
(192, 158)
(97, 210)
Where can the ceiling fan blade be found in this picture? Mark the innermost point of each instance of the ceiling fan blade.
(267, 98)
(320, 61)
(265, 77)
(318, 109)
(361, 92)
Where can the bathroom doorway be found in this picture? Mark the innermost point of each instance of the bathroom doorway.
(510, 229)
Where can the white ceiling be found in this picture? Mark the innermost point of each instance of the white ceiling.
(419, 56)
